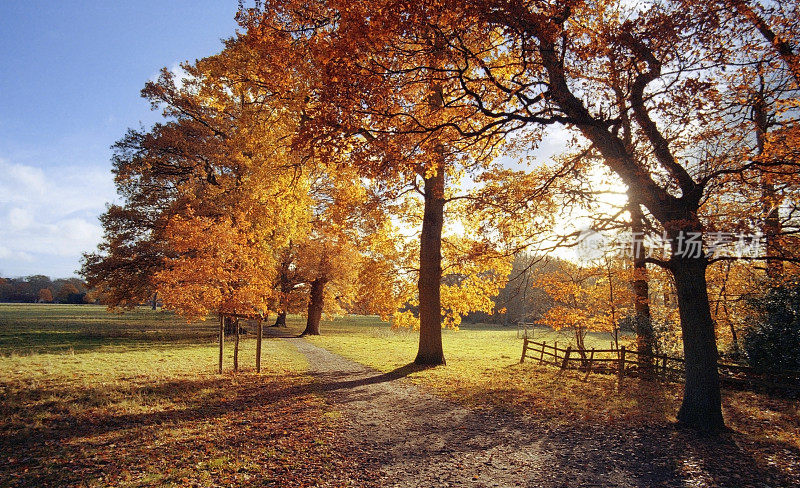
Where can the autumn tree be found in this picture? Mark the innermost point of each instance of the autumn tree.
(45, 295)
(500, 67)
(365, 104)
(586, 298)
(64, 292)
(210, 195)
(348, 227)
(288, 284)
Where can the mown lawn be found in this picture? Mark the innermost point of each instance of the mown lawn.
(46, 328)
(95, 399)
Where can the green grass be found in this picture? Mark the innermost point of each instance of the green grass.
(472, 347)
(45, 328)
(97, 399)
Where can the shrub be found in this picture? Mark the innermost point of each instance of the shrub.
(773, 344)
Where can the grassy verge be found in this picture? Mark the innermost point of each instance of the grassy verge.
(91, 399)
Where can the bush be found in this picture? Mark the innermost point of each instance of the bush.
(773, 344)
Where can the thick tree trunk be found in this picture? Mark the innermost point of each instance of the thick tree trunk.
(280, 321)
(701, 406)
(645, 338)
(315, 305)
(430, 350)
(430, 273)
(155, 300)
(702, 403)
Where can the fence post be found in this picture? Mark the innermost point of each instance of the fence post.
(541, 356)
(591, 363)
(258, 344)
(621, 365)
(236, 346)
(221, 340)
(566, 357)
(524, 350)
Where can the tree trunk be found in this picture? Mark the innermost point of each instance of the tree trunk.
(772, 230)
(155, 300)
(430, 273)
(772, 223)
(281, 320)
(737, 354)
(701, 406)
(645, 338)
(702, 403)
(315, 304)
(430, 350)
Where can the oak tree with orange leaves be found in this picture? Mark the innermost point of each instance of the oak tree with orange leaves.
(434, 76)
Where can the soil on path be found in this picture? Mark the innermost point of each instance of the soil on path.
(416, 438)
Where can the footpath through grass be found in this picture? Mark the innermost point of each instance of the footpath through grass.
(483, 370)
(92, 399)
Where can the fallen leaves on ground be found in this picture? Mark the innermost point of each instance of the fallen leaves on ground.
(207, 431)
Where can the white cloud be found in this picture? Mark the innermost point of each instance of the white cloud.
(6, 253)
(48, 218)
(19, 219)
(20, 177)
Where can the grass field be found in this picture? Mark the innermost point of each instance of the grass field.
(97, 399)
(133, 399)
(45, 328)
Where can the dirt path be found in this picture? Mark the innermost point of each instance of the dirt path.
(415, 438)
(418, 439)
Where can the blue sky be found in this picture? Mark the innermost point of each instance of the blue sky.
(70, 76)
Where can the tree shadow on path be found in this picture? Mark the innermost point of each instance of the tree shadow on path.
(331, 381)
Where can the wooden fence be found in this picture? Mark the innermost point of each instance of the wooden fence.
(234, 320)
(630, 362)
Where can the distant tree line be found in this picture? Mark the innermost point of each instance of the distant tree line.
(40, 288)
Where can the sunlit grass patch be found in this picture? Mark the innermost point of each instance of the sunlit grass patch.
(483, 370)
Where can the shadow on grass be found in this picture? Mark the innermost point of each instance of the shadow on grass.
(199, 432)
(64, 412)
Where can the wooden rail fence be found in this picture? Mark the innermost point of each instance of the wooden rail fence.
(630, 362)
(232, 318)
